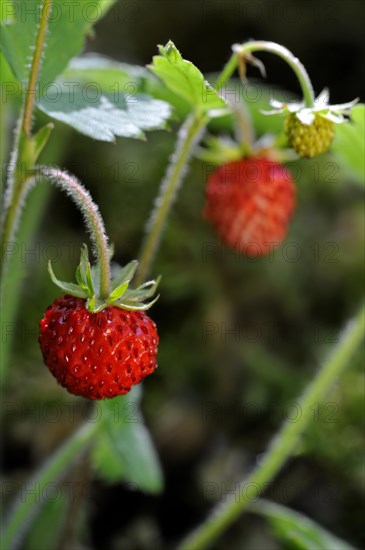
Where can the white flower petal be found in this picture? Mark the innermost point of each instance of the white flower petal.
(270, 113)
(305, 116)
(337, 119)
(276, 104)
(294, 107)
(344, 106)
(323, 99)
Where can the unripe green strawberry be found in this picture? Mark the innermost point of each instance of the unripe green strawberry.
(309, 140)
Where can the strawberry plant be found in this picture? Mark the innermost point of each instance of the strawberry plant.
(96, 338)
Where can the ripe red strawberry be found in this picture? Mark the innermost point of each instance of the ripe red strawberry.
(99, 345)
(250, 203)
(97, 355)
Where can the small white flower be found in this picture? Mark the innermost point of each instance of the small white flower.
(306, 115)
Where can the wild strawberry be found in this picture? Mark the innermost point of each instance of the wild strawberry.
(99, 348)
(311, 129)
(249, 203)
(312, 139)
(97, 355)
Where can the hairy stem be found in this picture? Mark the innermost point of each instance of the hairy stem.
(277, 49)
(92, 217)
(25, 509)
(285, 442)
(21, 158)
(35, 68)
(189, 135)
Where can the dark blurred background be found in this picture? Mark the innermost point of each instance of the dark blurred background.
(239, 338)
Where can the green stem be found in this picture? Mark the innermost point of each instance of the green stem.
(11, 285)
(35, 68)
(284, 444)
(92, 217)
(21, 157)
(188, 137)
(277, 49)
(26, 506)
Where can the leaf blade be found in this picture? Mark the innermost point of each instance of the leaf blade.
(66, 19)
(107, 118)
(184, 79)
(297, 529)
(125, 450)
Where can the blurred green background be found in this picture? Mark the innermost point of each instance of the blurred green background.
(239, 338)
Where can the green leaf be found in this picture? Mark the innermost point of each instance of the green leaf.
(83, 273)
(296, 529)
(108, 74)
(349, 143)
(40, 140)
(131, 305)
(108, 115)
(184, 79)
(146, 290)
(118, 292)
(124, 449)
(91, 304)
(69, 23)
(70, 288)
(125, 274)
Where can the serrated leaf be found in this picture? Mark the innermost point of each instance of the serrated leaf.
(69, 288)
(125, 274)
(118, 292)
(68, 19)
(109, 115)
(107, 73)
(349, 143)
(184, 79)
(124, 450)
(298, 530)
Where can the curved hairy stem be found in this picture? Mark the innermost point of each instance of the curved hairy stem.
(92, 218)
(240, 51)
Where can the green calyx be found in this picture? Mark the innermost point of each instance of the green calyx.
(121, 295)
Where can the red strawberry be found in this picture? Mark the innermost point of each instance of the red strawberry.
(97, 355)
(100, 344)
(250, 203)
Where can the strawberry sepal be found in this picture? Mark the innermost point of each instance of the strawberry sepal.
(121, 296)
